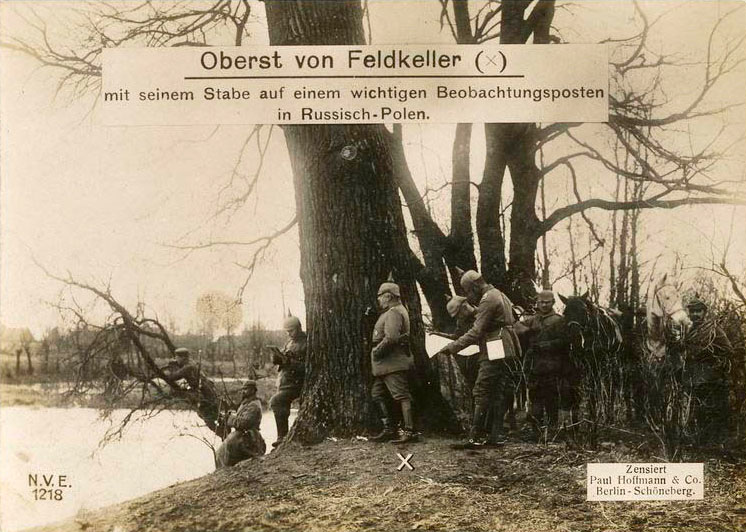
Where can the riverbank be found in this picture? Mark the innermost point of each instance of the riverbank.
(353, 485)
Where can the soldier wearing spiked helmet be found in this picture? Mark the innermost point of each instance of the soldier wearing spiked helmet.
(390, 361)
(291, 361)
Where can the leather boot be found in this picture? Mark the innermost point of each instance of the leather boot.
(497, 432)
(281, 420)
(408, 434)
(476, 439)
(388, 432)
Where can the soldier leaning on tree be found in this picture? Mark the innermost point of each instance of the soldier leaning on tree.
(708, 354)
(291, 361)
(547, 359)
(391, 361)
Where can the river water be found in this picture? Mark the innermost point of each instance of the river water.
(151, 454)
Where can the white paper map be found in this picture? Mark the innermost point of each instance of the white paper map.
(435, 342)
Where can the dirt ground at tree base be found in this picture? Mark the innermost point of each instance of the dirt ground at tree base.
(352, 485)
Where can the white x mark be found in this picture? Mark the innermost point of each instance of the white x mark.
(405, 462)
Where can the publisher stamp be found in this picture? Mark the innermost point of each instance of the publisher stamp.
(46, 486)
(645, 482)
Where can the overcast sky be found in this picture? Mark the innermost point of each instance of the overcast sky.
(105, 203)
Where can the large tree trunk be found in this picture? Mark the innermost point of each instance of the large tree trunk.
(489, 229)
(513, 146)
(461, 237)
(432, 275)
(524, 234)
(352, 235)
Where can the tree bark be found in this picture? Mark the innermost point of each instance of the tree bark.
(433, 243)
(461, 237)
(352, 234)
(489, 230)
(524, 223)
(513, 146)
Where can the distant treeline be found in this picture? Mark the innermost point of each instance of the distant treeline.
(57, 355)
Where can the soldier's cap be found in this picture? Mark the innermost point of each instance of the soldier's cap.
(249, 384)
(454, 305)
(182, 351)
(695, 303)
(470, 278)
(291, 322)
(545, 295)
(389, 288)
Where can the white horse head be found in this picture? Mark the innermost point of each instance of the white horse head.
(665, 313)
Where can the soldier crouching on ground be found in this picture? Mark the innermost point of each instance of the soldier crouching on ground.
(245, 441)
(208, 405)
(494, 312)
(391, 360)
(291, 362)
(547, 359)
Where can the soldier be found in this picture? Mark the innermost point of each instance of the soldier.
(245, 441)
(547, 358)
(708, 352)
(291, 361)
(494, 312)
(208, 402)
(458, 307)
(391, 360)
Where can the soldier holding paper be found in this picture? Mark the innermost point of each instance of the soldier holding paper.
(291, 362)
(492, 331)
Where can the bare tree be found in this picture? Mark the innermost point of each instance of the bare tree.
(646, 127)
(648, 132)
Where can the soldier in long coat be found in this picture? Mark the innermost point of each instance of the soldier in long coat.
(494, 318)
(708, 353)
(245, 441)
(391, 361)
(547, 358)
(291, 362)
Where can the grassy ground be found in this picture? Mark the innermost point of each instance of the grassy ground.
(352, 485)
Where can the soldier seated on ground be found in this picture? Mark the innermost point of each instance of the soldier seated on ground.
(207, 396)
(708, 353)
(245, 441)
(546, 360)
